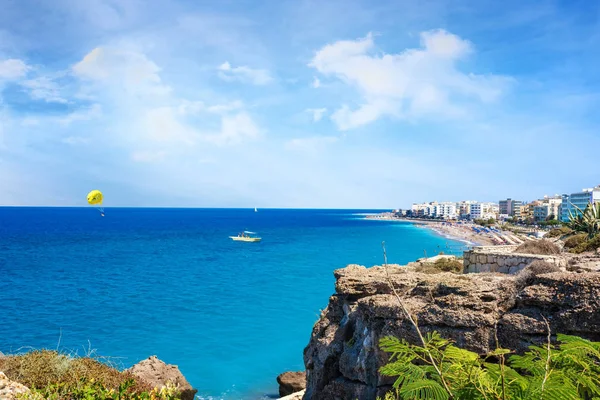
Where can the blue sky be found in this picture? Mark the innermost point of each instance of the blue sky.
(297, 103)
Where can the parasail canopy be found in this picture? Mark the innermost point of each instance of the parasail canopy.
(95, 197)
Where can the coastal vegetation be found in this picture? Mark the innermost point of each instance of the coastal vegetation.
(559, 232)
(485, 222)
(437, 369)
(586, 221)
(550, 222)
(587, 245)
(575, 240)
(445, 264)
(53, 375)
(526, 276)
(541, 247)
(584, 230)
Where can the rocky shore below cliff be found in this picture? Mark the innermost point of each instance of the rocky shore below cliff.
(343, 358)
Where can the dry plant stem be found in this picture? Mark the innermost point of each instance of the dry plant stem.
(412, 321)
(547, 373)
(501, 362)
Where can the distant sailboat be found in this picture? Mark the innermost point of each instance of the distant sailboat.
(255, 210)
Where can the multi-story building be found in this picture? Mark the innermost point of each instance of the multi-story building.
(418, 209)
(445, 210)
(464, 208)
(546, 208)
(578, 201)
(484, 211)
(476, 211)
(564, 208)
(401, 213)
(510, 207)
(504, 207)
(423, 209)
(527, 210)
(495, 209)
(540, 212)
(554, 206)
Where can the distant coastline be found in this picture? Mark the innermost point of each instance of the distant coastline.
(461, 233)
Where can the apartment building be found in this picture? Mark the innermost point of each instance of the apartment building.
(484, 211)
(571, 203)
(510, 207)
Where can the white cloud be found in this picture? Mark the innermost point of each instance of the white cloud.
(4, 121)
(148, 156)
(244, 74)
(162, 124)
(311, 145)
(414, 83)
(85, 114)
(347, 119)
(75, 140)
(317, 113)
(13, 69)
(224, 108)
(130, 70)
(195, 107)
(236, 129)
(44, 88)
(316, 83)
(132, 78)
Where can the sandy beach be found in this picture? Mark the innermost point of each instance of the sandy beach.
(462, 231)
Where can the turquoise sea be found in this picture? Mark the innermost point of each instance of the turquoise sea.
(169, 282)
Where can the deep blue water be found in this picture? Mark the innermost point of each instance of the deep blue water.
(169, 282)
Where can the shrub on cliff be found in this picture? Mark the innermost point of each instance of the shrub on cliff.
(541, 247)
(54, 375)
(440, 370)
(526, 276)
(558, 232)
(96, 390)
(587, 245)
(575, 240)
(445, 264)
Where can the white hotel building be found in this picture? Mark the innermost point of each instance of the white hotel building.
(445, 210)
(484, 210)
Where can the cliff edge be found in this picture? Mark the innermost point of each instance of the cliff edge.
(342, 358)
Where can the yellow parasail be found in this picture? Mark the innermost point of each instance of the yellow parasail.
(95, 198)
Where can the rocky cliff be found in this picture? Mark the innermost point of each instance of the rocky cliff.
(342, 358)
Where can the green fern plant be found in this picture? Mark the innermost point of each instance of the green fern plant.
(569, 370)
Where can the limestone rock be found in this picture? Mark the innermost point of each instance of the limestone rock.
(291, 382)
(10, 389)
(156, 373)
(342, 358)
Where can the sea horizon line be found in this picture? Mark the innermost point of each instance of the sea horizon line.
(201, 208)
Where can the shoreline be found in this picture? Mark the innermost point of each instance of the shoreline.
(461, 239)
(453, 231)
